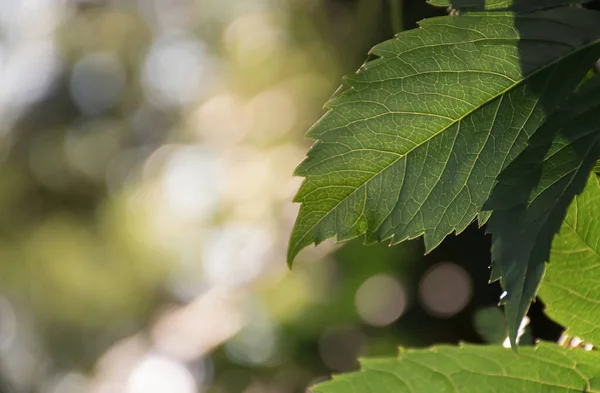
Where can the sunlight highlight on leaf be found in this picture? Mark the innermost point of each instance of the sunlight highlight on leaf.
(471, 369)
(415, 143)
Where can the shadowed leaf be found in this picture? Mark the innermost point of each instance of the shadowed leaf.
(533, 195)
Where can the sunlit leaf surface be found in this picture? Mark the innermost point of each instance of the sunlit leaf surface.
(414, 145)
(476, 369)
(570, 288)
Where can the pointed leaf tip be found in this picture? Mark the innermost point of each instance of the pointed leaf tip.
(406, 151)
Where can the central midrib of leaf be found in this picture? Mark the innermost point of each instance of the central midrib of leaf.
(452, 123)
(356, 84)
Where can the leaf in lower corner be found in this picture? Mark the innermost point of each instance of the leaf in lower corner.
(415, 143)
(513, 5)
(570, 287)
(473, 369)
(533, 194)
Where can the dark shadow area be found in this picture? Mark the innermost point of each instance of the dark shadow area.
(525, 228)
(553, 64)
(542, 327)
(473, 5)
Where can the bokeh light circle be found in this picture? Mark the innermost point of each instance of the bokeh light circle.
(445, 289)
(380, 300)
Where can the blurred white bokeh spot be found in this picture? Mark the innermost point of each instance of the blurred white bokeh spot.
(222, 120)
(97, 82)
(27, 19)
(21, 350)
(256, 343)
(273, 113)
(236, 254)
(380, 300)
(190, 182)
(252, 38)
(27, 72)
(445, 289)
(177, 70)
(159, 374)
(247, 181)
(188, 333)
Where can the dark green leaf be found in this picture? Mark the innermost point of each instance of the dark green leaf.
(533, 195)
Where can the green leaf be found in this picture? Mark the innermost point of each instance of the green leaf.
(533, 195)
(415, 143)
(513, 5)
(571, 287)
(474, 369)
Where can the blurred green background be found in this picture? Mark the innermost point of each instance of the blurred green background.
(146, 157)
